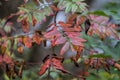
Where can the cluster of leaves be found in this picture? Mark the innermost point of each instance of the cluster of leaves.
(101, 26)
(69, 34)
(72, 6)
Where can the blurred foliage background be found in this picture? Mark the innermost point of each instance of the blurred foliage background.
(110, 46)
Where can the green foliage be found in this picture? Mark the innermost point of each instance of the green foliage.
(73, 6)
(100, 56)
(112, 8)
(30, 10)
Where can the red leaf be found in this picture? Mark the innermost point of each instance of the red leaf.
(5, 58)
(60, 40)
(72, 34)
(44, 67)
(25, 1)
(58, 65)
(78, 43)
(65, 48)
(64, 24)
(101, 26)
(68, 29)
(78, 39)
(54, 61)
(51, 33)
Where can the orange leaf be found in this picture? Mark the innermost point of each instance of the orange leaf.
(80, 20)
(34, 21)
(37, 39)
(71, 18)
(27, 41)
(64, 24)
(77, 28)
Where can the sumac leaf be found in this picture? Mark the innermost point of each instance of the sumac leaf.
(64, 24)
(6, 59)
(60, 40)
(34, 21)
(27, 41)
(37, 38)
(58, 65)
(77, 43)
(25, 25)
(44, 67)
(51, 33)
(65, 48)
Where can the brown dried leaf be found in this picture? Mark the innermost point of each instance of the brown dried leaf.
(25, 25)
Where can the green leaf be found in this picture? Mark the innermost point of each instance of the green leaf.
(99, 12)
(21, 17)
(29, 18)
(100, 56)
(74, 8)
(23, 9)
(68, 7)
(75, 0)
(7, 28)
